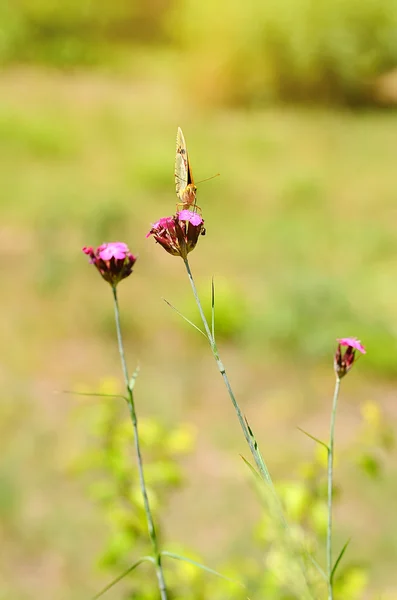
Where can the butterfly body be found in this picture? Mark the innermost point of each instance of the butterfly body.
(184, 183)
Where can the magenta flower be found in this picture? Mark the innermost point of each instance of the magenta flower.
(353, 343)
(114, 261)
(179, 234)
(344, 361)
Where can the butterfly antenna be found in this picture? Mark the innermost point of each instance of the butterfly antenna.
(208, 178)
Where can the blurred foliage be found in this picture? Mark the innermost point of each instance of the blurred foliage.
(279, 556)
(374, 441)
(235, 54)
(230, 307)
(289, 49)
(115, 482)
(301, 224)
(305, 502)
(77, 32)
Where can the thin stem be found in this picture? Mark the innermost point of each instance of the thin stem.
(249, 438)
(134, 419)
(260, 463)
(330, 488)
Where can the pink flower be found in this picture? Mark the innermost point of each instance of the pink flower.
(179, 234)
(353, 343)
(343, 362)
(193, 217)
(114, 261)
(162, 223)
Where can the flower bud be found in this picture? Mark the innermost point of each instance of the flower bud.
(344, 360)
(114, 261)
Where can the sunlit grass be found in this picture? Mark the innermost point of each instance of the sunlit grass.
(300, 235)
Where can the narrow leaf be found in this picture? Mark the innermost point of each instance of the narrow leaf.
(199, 566)
(213, 308)
(133, 378)
(341, 553)
(183, 317)
(94, 394)
(251, 434)
(312, 437)
(120, 577)
(318, 567)
(251, 468)
(257, 454)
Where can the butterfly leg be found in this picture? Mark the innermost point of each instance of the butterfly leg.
(184, 206)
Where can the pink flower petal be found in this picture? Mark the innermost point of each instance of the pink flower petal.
(353, 343)
(188, 215)
(117, 250)
(176, 235)
(163, 223)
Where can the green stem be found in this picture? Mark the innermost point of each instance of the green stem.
(260, 463)
(253, 447)
(330, 488)
(134, 419)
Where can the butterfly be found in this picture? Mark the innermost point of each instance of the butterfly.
(184, 182)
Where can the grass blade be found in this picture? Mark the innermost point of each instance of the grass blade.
(312, 437)
(251, 434)
(93, 394)
(213, 308)
(341, 553)
(257, 454)
(200, 566)
(120, 577)
(318, 567)
(185, 318)
(251, 468)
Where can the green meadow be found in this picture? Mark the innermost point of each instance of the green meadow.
(301, 242)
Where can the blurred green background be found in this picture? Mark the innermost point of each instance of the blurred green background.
(293, 103)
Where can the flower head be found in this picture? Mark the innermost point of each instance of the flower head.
(114, 261)
(344, 361)
(352, 343)
(178, 234)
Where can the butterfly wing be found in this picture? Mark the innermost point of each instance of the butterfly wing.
(190, 179)
(182, 167)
